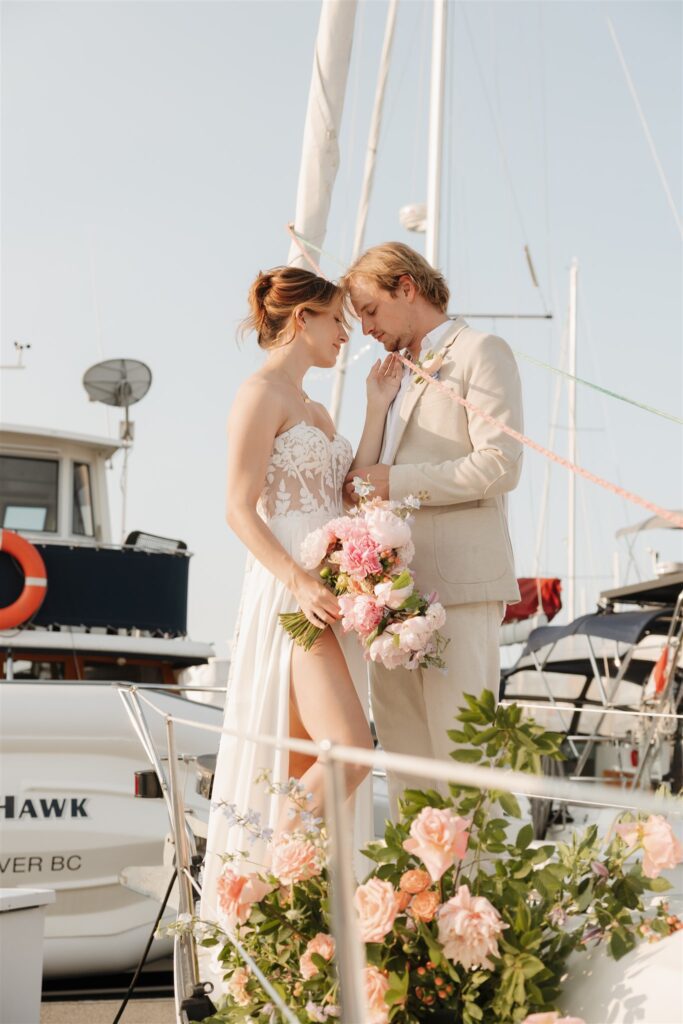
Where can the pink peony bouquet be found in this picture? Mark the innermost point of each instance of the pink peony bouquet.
(363, 558)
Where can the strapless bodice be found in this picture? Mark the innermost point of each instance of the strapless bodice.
(305, 473)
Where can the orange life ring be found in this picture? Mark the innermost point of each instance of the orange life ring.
(35, 579)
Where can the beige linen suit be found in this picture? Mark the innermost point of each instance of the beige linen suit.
(462, 468)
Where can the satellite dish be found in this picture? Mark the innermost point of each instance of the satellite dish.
(119, 382)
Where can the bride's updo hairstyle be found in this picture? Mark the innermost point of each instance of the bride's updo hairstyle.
(277, 295)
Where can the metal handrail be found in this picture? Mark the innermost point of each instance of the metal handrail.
(333, 757)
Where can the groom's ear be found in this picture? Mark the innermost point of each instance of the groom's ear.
(406, 287)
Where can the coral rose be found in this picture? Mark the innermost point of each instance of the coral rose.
(321, 944)
(237, 986)
(377, 904)
(386, 528)
(439, 838)
(376, 988)
(662, 851)
(238, 893)
(414, 881)
(295, 860)
(469, 927)
(425, 905)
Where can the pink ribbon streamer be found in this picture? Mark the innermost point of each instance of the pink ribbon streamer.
(670, 517)
(635, 499)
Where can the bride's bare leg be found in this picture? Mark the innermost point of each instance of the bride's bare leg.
(324, 705)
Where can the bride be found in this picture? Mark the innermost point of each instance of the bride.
(286, 468)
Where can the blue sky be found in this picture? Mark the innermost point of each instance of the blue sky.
(150, 155)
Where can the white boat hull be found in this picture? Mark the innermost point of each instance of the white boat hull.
(70, 821)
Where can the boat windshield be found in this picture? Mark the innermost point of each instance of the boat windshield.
(29, 494)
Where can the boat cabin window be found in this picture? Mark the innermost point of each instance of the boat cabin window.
(29, 494)
(127, 672)
(82, 523)
(35, 668)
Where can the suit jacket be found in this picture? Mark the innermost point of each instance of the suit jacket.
(464, 468)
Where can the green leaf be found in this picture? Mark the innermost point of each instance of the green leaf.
(467, 755)
(524, 837)
(509, 804)
(658, 884)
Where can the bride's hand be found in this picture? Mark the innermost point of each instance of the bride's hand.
(318, 604)
(383, 381)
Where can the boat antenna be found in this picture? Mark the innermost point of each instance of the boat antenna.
(122, 383)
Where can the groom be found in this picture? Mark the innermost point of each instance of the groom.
(462, 468)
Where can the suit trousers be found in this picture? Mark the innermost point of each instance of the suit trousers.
(412, 711)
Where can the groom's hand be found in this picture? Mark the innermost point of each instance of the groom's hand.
(377, 475)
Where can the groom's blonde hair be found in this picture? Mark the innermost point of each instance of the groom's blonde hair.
(386, 264)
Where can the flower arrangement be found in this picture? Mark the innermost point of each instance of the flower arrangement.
(462, 922)
(364, 557)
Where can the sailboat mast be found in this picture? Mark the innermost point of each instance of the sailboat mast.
(320, 153)
(435, 146)
(571, 406)
(366, 190)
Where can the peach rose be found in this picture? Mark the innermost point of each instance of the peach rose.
(321, 944)
(376, 987)
(377, 904)
(662, 851)
(438, 838)
(404, 899)
(469, 927)
(414, 881)
(295, 859)
(238, 893)
(425, 905)
(237, 986)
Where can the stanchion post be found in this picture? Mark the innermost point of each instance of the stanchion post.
(185, 957)
(349, 953)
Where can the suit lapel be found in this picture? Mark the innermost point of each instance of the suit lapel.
(416, 390)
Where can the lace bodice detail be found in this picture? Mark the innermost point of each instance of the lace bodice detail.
(305, 473)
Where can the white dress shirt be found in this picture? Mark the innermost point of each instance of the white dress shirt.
(430, 341)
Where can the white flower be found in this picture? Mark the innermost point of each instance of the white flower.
(416, 633)
(362, 487)
(436, 615)
(314, 548)
(386, 528)
(389, 597)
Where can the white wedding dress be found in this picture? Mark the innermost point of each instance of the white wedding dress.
(302, 491)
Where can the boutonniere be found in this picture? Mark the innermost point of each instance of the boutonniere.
(430, 363)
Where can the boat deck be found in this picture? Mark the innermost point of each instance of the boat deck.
(103, 1011)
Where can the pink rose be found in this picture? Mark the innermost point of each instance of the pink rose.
(321, 944)
(661, 848)
(360, 554)
(438, 837)
(377, 904)
(376, 988)
(387, 650)
(238, 893)
(551, 1017)
(416, 633)
(386, 595)
(386, 528)
(360, 613)
(469, 927)
(295, 859)
(237, 986)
